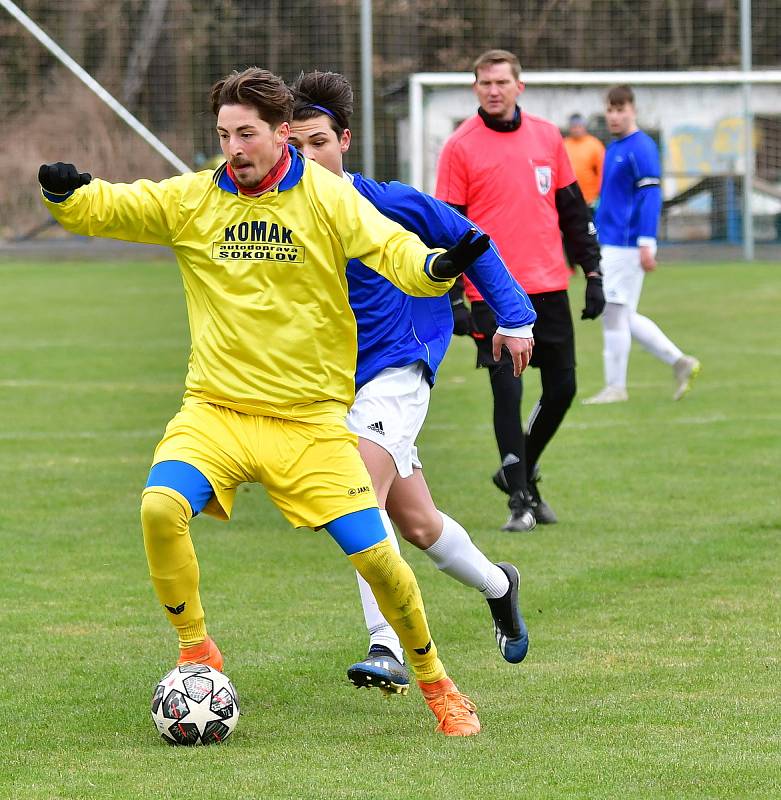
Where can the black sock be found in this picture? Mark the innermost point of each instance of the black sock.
(507, 392)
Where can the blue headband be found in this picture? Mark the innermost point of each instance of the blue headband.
(324, 110)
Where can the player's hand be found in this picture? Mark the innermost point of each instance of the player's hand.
(647, 259)
(595, 298)
(61, 178)
(520, 350)
(461, 256)
(462, 318)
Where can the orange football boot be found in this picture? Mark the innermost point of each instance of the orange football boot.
(455, 712)
(206, 652)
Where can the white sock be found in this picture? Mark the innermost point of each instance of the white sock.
(617, 344)
(380, 631)
(651, 337)
(456, 555)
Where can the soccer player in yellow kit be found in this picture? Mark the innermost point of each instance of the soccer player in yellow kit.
(262, 244)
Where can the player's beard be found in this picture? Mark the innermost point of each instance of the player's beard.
(246, 182)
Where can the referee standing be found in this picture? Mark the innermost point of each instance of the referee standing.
(508, 171)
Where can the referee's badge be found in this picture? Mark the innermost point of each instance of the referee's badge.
(543, 175)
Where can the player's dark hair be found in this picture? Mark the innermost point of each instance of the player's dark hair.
(257, 88)
(329, 93)
(498, 57)
(620, 95)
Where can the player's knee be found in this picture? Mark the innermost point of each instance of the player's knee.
(421, 529)
(378, 563)
(163, 515)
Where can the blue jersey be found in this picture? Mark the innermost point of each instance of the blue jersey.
(630, 201)
(395, 329)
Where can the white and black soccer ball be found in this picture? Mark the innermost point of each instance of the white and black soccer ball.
(195, 704)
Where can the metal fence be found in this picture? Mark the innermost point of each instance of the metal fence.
(158, 58)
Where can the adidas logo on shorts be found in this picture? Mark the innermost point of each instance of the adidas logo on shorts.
(377, 428)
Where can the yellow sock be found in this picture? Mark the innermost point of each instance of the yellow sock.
(398, 596)
(173, 566)
(192, 634)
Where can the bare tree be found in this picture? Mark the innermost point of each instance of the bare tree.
(682, 31)
(143, 49)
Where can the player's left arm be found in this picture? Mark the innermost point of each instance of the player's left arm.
(514, 312)
(440, 225)
(380, 243)
(648, 197)
(396, 253)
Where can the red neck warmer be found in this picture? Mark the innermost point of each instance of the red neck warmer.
(273, 177)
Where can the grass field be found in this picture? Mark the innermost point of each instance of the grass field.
(654, 607)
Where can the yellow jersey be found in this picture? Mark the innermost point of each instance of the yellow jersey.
(272, 331)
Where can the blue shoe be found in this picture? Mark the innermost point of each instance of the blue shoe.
(381, 669)
(509, 626)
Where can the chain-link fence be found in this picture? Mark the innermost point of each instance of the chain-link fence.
(159, 57)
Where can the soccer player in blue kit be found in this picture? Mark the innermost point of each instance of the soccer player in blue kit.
(627, 217)
(401, 343)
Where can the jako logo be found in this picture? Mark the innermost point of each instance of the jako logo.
(359, 490)
(177, 610)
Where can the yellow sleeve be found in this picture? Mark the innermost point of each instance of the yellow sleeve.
(385, 246)
(143, 211)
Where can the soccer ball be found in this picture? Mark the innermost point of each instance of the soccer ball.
(195, 704)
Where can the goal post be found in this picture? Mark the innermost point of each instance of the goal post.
(699, 118)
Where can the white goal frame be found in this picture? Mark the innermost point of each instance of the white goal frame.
(420, 83)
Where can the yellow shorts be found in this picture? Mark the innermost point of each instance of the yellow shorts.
(312, 471)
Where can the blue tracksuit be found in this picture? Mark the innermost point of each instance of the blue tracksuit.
(394, 329)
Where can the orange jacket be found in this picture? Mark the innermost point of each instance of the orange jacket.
(586, 155)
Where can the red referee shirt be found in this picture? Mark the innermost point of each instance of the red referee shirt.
(508, 183)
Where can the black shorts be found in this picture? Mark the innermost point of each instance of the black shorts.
(554, 335)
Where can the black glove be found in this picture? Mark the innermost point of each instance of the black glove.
(61, 178)
(595, 298)
(462, 318)
(461, 256)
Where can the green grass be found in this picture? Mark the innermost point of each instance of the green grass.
(654, 606)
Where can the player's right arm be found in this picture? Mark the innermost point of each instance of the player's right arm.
(143, 211)
(452, 186)
(598, 161)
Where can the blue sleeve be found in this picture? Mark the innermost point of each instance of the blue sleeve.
(649, 205)
(56, 198)
(648, 188)
(506, 297)
(440, 225)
